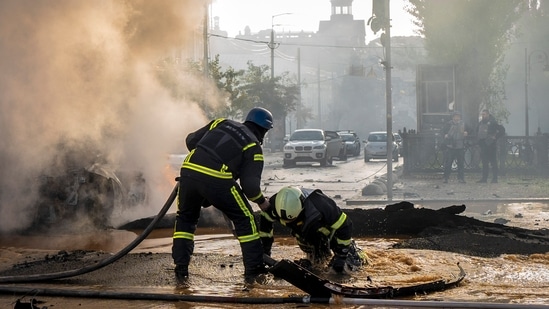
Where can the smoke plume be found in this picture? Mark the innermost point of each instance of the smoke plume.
(83, 72)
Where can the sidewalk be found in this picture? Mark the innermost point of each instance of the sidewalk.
(429, 188)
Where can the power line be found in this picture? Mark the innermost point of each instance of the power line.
(309, 45)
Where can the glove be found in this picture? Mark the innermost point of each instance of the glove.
(342, 250)
(322, 250)
(339, 259)
(265, 205)
(305, 263)
(267, 243)
(348, 258)
(338, 263)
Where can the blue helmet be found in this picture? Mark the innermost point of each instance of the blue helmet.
(261, 117)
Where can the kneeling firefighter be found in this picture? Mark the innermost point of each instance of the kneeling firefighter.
(319, 226)
(221, 153)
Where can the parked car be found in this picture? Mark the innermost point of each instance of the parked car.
(352, 142)
(376, 147)
(313, 145)
(398, 141)
(342, 155)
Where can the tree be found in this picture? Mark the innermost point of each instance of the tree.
(278, 94)
(473, 35)
(228, 83)
(235, 91)
(534, 29)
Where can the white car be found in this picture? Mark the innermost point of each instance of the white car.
(376, 147)
(313, 145)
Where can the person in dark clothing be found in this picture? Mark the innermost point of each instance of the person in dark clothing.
(221, 153)
(454, 138)
(317, 223)
(487, 133)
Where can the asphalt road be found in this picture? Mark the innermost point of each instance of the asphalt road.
(217, 265)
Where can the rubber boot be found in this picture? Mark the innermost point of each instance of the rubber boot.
(182, 275)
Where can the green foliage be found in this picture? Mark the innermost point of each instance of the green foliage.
(228, 83)
(495, 92)
(473, 35)
(279, 94)
(236, 91)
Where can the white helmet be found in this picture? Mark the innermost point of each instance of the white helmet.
(288, 203)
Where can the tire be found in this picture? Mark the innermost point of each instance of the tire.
(343, 157)
(323, 162)
(288, 163)
(330, 161)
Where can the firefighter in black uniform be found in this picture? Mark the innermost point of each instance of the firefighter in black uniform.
(221, 153)
(319, 226)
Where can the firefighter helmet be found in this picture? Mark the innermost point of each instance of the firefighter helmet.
(260, 116)
(288, 203)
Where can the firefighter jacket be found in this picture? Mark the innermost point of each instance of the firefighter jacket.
(226, 149)
(320, 219)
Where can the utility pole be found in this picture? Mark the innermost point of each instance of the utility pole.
(206, 47)
(298, 109)
(381, 20)
(388, 96)
(272, 47)
(272, 44)
(526, 74)
(319, 105)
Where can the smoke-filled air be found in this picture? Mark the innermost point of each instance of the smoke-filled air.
(79, 90)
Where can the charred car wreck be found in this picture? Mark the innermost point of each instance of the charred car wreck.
(89, 195)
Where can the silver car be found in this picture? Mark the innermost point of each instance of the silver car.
(352, 143)
(376, 147)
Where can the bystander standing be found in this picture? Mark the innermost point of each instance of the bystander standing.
(454, 139)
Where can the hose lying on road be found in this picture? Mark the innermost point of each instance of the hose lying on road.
(262, 300)
(103, 263)
(151, 296)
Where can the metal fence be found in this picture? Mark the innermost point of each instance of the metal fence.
(516, 154)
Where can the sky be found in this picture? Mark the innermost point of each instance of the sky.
(235, 15)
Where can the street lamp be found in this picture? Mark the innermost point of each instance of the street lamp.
(527, 64)
(272, 45)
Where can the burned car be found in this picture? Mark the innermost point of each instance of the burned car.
(88, 193)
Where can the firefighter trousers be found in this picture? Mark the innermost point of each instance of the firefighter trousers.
(225, 195)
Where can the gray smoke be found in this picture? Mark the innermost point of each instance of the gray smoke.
(85, 71)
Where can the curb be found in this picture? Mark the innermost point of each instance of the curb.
(452, 201)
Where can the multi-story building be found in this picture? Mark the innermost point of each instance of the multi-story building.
(342, 80)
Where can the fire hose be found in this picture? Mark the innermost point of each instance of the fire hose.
(393, 303)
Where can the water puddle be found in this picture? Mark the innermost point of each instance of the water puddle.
(217, 269)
